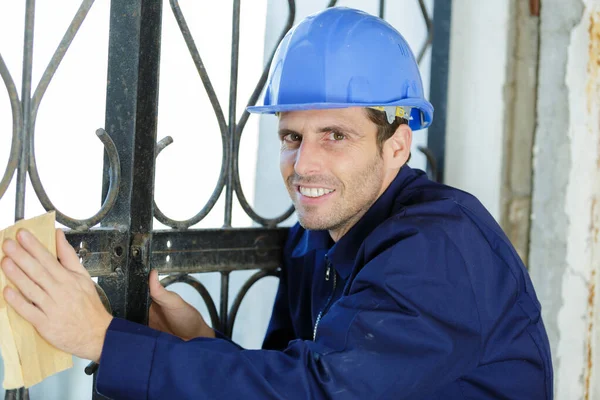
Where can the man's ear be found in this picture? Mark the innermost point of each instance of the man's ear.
(396, 150)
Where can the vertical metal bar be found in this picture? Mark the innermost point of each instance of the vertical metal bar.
(144, 161)
(224, 306)
(17, 394)
(121, 103)
(22, 393)
(442, 13)
(131, 102)
(235, 44)
(131, 120)
(26, 107)
(382, 9)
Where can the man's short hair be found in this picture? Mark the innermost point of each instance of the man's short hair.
(385, 130)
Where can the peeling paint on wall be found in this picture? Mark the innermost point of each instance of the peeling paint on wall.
(592, 381)
(589, 352)
(550, 269)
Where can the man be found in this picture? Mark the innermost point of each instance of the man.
(393, 286)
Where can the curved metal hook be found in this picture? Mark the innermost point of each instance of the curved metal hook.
(268, 222)
(242, 123)
(160, 146)
(113, 189)
(201, 289)
(17, 117)
(242, 293)
(212, 96)
(177, 224)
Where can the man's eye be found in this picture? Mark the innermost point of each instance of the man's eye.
(336, 136)
(292, 137)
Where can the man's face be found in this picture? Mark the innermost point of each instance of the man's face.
(331, 166)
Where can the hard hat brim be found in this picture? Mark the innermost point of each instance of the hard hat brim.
(423, 121)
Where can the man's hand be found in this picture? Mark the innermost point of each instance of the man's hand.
(58, 297)
(171, 314)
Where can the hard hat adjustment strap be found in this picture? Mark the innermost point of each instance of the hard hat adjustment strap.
(392, 112)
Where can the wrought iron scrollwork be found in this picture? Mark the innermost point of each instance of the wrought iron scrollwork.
(242, 293)
(230, 132)
(225, 321)
(202, 291)
(113, 191)
(429, 26)
(24, 118)
(17, 118)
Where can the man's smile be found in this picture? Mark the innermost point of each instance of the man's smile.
(314, 192)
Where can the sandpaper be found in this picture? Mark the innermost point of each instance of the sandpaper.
(28, 358)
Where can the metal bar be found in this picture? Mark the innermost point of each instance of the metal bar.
(438, 95)
(382, 9)
(432, 169)
(49, 72)
(235, 45)
(23, 393)
(59, 54)
(17, 122)
(17, 394)
(242, 293)
(190, 251)
(269, 222)
(429, 27)
(121, 105)
(202, 291)
(212, 96)
(142, 196)
(26, 108)
(224, 305)
(97, 250)
(114, 173)
(217, 249)
(122, 96)
(263, 78)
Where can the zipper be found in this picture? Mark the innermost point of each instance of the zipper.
(328, 303)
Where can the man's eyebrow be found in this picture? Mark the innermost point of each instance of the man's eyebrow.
(339, 128)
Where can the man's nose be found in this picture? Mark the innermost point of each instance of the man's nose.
(308, 158)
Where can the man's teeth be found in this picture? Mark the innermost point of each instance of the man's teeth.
(314, 192)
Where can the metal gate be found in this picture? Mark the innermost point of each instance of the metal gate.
(118, 244)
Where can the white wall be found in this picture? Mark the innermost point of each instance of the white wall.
(565, 240)
(478, 68)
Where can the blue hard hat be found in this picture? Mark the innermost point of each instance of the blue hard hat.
(341, 57)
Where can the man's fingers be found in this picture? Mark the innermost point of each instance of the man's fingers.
(29, 289)
(25, 309)
(39, 252)
(28, 264)
(67, 255)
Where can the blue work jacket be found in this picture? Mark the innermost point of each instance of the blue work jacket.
(424, 298)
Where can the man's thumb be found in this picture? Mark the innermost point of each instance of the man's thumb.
(158, 293)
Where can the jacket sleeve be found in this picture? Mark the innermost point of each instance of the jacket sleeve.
(407, 326)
